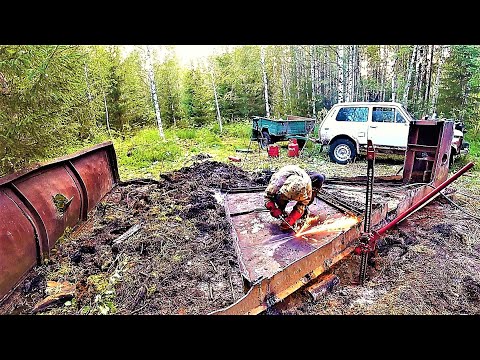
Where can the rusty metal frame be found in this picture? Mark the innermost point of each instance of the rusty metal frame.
(265, 292)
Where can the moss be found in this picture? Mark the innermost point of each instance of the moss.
(99, 281)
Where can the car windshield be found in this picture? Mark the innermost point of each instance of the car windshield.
(408, 112)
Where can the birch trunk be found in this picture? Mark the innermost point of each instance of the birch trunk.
(312, 75)
(284, 91)
(394, 74)
(219, 118)
(348, 91)
(358, 75)
(382, 72)
(173, 115)
(417, 82)
(89, 95)
(153, 90)
(340, 73)
(106, 112)
(409, 76)
(429, 74)
(437, 79)
(265, 85)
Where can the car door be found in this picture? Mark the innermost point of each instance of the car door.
(388, 127)
(351, 121)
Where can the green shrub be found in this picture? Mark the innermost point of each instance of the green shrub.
(186, 133)
(208, 137)
(242, 129)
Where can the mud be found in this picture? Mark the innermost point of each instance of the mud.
(180, 261)
(428, 265)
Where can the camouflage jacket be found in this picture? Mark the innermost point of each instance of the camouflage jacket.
(292, 182)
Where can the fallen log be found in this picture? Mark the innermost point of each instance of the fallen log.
(58, 291)
(127, 234)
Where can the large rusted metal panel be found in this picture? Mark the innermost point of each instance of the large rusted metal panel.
(428, 151)
(37, 204)
(277, 265)
(18, 250)
(97, 176)
(262, 247)
(40, 188)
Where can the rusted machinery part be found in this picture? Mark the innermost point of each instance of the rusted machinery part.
(340, 204)
(368, 243)
(265, 292)
(324, 284)
(37, 205)
(423, 200)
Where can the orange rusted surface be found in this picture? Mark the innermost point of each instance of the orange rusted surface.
(37, 205)
(276, 265)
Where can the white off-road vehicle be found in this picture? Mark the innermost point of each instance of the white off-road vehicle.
(348, 125)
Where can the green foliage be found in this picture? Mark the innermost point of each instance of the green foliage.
(146, 148)
(167, 79)
(241, 130)
(475, 149)
(197, 101)
(186, 133)
(43, 104)
(460, 87)
(135, 100)
(239, 83)
(55, 99)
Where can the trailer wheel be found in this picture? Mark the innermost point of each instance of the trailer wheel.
(265, 140)
(301, 143)
(342, 151)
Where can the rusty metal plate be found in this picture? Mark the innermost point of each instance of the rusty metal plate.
(262, 261)
(37, 204)
(40, 189)
(262, 247)
(18, 251)
(96, 173)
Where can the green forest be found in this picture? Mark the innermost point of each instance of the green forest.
(59, 98)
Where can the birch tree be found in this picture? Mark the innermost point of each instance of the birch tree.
(219, 118)
(154, 93)
(429, 75)
(442, 56)
(340, 73)
(312, 76)
(265, 85)
(409, 76)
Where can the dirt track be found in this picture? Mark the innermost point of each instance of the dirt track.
(181, 260)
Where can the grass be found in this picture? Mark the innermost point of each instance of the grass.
(146, 155)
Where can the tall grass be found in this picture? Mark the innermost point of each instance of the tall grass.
(475, 149)
(241, 130)
(146, 154)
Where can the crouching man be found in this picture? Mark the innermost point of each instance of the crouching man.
(291, 183)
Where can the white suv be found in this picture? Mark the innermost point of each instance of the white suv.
(347, 126)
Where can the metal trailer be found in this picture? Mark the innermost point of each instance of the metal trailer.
(268, 131)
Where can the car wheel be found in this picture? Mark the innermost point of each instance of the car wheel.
(451, 160)
(301, 143)
(342, 151)
(265, 140)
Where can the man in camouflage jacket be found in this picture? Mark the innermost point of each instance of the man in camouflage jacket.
(291, 183)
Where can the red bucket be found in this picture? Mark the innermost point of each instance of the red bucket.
(273, 150)
(293, 148)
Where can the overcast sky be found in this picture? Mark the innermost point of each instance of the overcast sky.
(186, 53)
